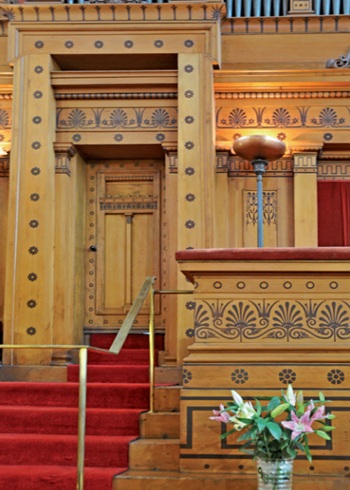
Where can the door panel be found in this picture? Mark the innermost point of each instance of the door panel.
(124, 214)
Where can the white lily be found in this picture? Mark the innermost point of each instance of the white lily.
(290, 395)
(237, 398)
(237, 424)
(247, 411)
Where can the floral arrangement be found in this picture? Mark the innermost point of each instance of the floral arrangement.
(278, 430)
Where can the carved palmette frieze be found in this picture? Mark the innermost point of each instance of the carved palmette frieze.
(292, 117)
(272, 320)
(102, 118)
(5, 116)
(270, 205)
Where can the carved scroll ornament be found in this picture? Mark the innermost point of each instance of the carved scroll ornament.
(341, 62)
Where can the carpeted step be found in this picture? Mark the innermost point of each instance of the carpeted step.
(41, 449)
(133, 341)
(39, 421)
(64, 420)
(111, 374)
(99, 395)
(126, 357)
(27, 477)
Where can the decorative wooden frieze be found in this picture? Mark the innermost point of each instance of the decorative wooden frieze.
(341, 62)
(273, 319)
(295, 24)
(333, 170)
(4, 166)
(123, 201)
(242, 168)
(187, 11)
(116, 96)
(315, 94)
(291, 117)
(305, 162)
(63, 154)
(5, 118)
(105, 118)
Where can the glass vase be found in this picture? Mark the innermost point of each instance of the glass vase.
(275, 475)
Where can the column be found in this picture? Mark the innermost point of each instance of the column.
(28, 315)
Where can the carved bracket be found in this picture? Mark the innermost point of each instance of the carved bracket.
(341, 62)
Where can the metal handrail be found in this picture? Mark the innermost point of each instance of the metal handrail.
(115, 348)
(82, 395)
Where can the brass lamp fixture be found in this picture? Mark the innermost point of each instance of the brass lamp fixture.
(259, 150)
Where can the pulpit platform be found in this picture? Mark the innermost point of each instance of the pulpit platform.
(263, 318)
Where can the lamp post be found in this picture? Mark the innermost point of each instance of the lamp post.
(259, 150)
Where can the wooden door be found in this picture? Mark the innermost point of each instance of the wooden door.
(124, 240)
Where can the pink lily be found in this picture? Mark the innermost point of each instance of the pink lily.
(301, 425)
(220, 415)
(318, 415)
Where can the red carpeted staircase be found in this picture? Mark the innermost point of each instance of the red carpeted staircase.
(38, 421)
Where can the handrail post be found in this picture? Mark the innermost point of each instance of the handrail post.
(151, 349)
(82, 417)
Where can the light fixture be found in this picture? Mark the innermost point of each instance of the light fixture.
(259, 150)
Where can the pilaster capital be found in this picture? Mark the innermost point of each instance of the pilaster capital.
(63, 154)
(305, 157)
(171, 153)
(222, 160)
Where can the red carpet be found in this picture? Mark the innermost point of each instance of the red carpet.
(38, 421)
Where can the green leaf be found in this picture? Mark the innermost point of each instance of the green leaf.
(321, 396)
(307, 450)
(275, 401)
(261, 423)
(322, 434)
(327, 428)
(258, 407)
(245, 421)
(275, 430)
(223, 436)
(330, 416)
(292, 453)
(249, 434)
(246, 445)
(279, 409)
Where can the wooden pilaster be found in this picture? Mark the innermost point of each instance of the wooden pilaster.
(28, 311)
(196, 167)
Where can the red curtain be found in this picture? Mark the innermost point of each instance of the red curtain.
(333, 214)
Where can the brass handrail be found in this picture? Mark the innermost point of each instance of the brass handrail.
(82, 395)
(131, 316)
(115, 348)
